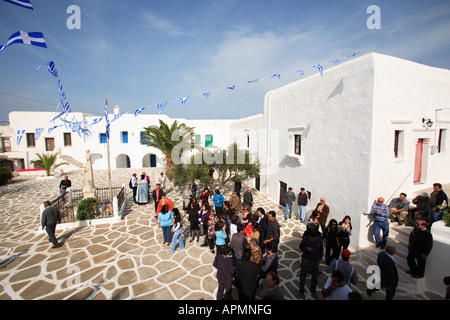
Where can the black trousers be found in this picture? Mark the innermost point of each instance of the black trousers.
(134, 194)
(51, 233)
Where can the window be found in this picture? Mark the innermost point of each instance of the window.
(398, 143)
(143, 137)
(208, 141)
(67, 139)
(248, 141)
(102, 138)
(298, 144)
(31, 142)
(442, 140)
(124, 136)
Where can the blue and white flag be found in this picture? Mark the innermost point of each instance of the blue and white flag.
(231, 87)
(320, 68)
(38, 133)
(117, 116)
(337, 61)
(22, 3)
(299, 71)
(53, 128)
(107, 123)
(20, 134)
(276, 75)
(252, 81)
(183, 100)
(138, 111)
(161, 107)
(51, 68)
(95, 121)
(207, 93)
(33, 38)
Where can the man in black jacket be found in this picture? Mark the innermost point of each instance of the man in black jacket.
(388, 272)
(50, 217)
(420, 245)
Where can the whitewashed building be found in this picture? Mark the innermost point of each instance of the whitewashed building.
(372, 126)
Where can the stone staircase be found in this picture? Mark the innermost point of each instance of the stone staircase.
(71, 161)
(398, 237)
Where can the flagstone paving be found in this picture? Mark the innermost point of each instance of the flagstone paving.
(124, 260)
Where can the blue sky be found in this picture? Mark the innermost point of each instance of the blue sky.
(139, 53)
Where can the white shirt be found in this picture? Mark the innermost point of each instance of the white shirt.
(340, 293)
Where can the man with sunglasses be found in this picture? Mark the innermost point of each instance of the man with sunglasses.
(380, 212)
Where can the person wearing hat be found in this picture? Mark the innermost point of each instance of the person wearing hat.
(289, 198)
(421, 209)
(349, 272)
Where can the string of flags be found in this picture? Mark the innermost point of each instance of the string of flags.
(83, 127)
(37, 39)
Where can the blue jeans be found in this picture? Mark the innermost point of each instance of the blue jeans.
(302, 213)
(177, 236)
(435, 215)
(384, 226)
(288, 207)
(167, 235)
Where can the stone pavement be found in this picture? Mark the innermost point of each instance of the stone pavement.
(124, 260)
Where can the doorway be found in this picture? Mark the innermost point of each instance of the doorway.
(421, 161)
(283, 189)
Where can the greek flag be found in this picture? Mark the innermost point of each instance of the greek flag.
(107, 123)
(51, 68)
(183, 100)
(22, 3)
(276, 75)
(320, 68)
(38, 133)
(20, 134)
(231, 87)
(33, 38)
(138, 111)
(207, 93)
(52, 128)
(161, 107)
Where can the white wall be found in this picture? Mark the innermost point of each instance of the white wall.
(333, 114)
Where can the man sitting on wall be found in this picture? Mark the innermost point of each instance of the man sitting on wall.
(398, 207)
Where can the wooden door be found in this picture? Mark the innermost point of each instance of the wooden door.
(49, 144)
(418, 161)
(283, 189)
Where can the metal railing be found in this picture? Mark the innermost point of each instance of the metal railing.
(67, 203)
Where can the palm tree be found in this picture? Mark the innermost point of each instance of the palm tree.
(47, 162)
(166, 138)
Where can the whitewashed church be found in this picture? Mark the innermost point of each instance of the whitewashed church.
(373, 126)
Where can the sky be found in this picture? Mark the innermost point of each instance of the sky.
(140, 53)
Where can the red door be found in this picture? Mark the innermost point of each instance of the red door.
(418, 161)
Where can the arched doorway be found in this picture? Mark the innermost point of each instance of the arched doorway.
(150, 160)
(123, 161)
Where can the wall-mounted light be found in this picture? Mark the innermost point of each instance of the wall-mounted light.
(427, 122)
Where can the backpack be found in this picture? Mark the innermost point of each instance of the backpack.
(130, 184)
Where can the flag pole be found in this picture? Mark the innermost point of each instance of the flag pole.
(108, 155)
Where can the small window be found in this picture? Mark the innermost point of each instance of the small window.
(208, 141)
(298, 144)
(102, 138)
(398, 143)
(124, 136)
(248, 141)
(142, 136)
(442, 140)
(67, 139)
(31, 142)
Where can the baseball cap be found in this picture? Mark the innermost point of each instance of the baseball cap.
(346, 253)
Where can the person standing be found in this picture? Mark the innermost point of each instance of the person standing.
(142, 191)
(312, 248)
(248, 199)
(331, 242)
(204, 197)
(221, 236)
(165, 221)
(238, 188)
(157, 195)
(235, 202)
(193, 218)
(388, 272)
(323, 211)
(193, 188)
(302, 202)
(225, 270)
(270, 287)
(164, 201)
(162, 182)
(176, 230)
(134, 186)
(246, 276)
(218, 200)
(263, 222)
(187, 195)
(289, 199)
(50, 217)
(345, 231)
(350, 275)
(273, 231)
(380, 213)
(64, 184)
(419, 247)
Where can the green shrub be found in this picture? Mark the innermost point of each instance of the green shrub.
(446, 217)
(5, 175)
(87, 209)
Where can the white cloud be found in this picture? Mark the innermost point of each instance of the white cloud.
(162, 24)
